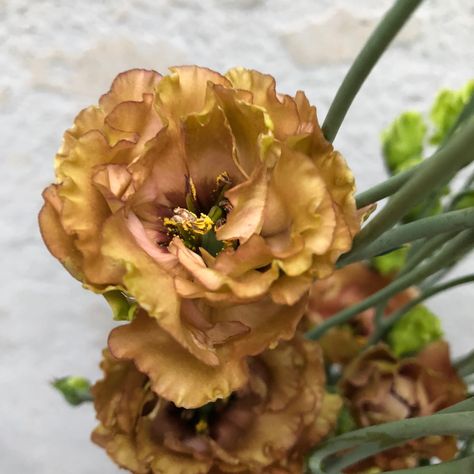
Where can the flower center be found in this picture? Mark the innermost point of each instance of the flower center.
(198, 229)
(202, 419)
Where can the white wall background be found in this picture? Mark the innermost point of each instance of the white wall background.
(57, 57)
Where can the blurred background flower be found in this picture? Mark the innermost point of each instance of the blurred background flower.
(56, 58)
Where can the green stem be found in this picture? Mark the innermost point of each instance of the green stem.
(387, 29)
(386, 188)
(394, 183)
(368, 441)
(453, 221)
(458, 466)
(436, 171)
(426, 249)
(446, 255)
(387, 323)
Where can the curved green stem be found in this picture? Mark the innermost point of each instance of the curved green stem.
(386, 188)
(394, 183)
(368, 441)
(458, 466)
(453, 221)
(427, 248)
(387, 323)
(436, 171)
(446, 255)
(387, 29)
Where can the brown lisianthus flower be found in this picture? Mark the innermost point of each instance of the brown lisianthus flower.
(344, 288)
(266, 426)
(210, 201)
(380, 388)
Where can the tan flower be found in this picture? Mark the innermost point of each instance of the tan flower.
(381, 388)
(344, 288)
(265, 426)
(211, 201)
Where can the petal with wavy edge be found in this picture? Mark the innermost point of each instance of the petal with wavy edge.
(281, 108)
(129, 86)
(248, 123)
(248, 207)
(208, 147)
(59, 243)
(184, 92)
(174, 373)
(159, 299)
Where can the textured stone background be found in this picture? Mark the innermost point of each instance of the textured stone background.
(57, 57)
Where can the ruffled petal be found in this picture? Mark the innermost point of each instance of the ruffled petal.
(174, 373)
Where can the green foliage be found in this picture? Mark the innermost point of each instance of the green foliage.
(391, 263)
(122, 308)
(403, 140)
(417, 328)
(75, 390)
(446, 109)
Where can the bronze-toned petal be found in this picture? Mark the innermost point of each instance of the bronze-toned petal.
(129, 86)
(174, 373)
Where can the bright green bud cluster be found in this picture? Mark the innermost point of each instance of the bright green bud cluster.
(392, 262)
(446, 109)
(75, 390)
(417, 328)
(403, 141)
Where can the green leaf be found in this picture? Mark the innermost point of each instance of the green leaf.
(446, 109)
(122, 307)
(391, 262)
(417, 328)
(402, 141)
(76, 390)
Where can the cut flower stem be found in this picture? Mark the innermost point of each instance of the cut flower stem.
(377, 43)
(385, 324)
(445, 256)
(434, 172)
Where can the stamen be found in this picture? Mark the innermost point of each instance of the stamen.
(202, 426)
(198, 231)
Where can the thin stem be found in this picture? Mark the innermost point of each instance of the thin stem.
(453, 221)
(386, 188)
(446, 255)
(436, 171)
(373, 439)
(428, 247)
(457, 466)
(387, 323)
(387, 29)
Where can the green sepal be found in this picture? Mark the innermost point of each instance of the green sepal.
(402, 141)
(417, 328)
(75, 390)
(122, 307)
